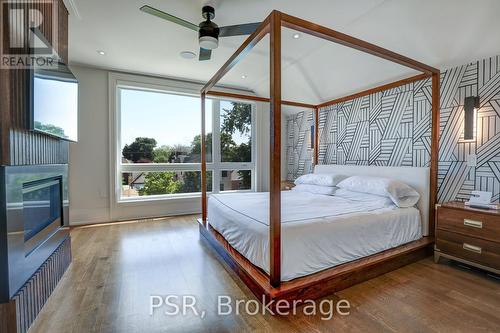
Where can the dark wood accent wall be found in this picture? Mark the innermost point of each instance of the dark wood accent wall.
(62, 31)
(18, 145)
(5, 93)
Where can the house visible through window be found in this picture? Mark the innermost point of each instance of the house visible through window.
(160, 144)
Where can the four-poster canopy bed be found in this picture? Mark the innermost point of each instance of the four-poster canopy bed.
(271, 286)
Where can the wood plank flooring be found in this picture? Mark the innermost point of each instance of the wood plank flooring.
(117, 267)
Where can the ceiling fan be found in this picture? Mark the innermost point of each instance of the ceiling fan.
(208, 31)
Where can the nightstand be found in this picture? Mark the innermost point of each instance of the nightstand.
(468, 235)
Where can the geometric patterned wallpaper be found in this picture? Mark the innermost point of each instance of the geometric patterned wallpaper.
(298, 152)
(392, 128)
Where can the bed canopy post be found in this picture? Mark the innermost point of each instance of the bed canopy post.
(203, 163)
(275, 151)
(316, 135)
(436, 106)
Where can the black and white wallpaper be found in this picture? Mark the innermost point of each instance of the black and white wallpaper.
(298, 152)
(392, 128)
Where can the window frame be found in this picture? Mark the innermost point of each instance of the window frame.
(119, 81)
(218, 165)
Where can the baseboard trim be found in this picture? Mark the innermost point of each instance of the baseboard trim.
(128, 220)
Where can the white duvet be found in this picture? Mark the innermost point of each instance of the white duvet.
(318, 231)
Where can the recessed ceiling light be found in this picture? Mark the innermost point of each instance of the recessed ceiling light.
(296, 36)
(188, 55)
(243, 76)
(101, 52)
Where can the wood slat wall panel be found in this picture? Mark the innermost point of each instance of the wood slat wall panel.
(62, 32)
(4, 115)
(28, 148)
(18, 145)
(31, 298)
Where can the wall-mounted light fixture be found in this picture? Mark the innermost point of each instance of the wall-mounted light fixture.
(471, 104)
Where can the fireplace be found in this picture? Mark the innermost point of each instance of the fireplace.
(42, 211)
(34, 219)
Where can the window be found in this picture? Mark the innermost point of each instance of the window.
(235, 132)
(158, 127)
(234, 180)
(159, 144)
(137, 184)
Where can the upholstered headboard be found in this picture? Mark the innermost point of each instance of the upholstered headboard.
(418, 178)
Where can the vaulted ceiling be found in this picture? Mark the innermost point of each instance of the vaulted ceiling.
(441, 33)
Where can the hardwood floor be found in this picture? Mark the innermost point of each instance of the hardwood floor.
(117, 267)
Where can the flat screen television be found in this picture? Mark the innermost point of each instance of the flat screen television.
(54, 101)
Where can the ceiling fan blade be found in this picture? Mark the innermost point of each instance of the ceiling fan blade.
(205, 54)
(158, 13)
(238, 29)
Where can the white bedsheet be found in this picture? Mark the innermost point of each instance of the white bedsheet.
(318, 231)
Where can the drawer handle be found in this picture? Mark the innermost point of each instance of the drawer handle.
(474, 224)
(472, 248)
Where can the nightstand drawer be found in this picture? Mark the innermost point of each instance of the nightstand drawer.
(469, 248)
(469, 223)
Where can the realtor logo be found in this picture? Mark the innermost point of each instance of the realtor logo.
(28, 33)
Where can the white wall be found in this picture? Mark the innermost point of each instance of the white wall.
(90, 159)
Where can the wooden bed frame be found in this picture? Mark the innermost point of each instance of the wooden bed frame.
(318, 284)
(330, 280)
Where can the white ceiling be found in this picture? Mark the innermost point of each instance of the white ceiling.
(441, 33)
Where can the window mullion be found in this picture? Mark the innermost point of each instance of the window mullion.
(143, 167)
(118, 138)
(254, 146)
(236, 165)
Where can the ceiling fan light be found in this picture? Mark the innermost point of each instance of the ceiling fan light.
(208, 42)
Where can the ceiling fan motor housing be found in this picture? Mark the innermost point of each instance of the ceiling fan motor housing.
(208, 34)
(208, 12)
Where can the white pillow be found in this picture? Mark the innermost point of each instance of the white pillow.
(364, 197)
(316, 189)
(324, 179)
(401, 194)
